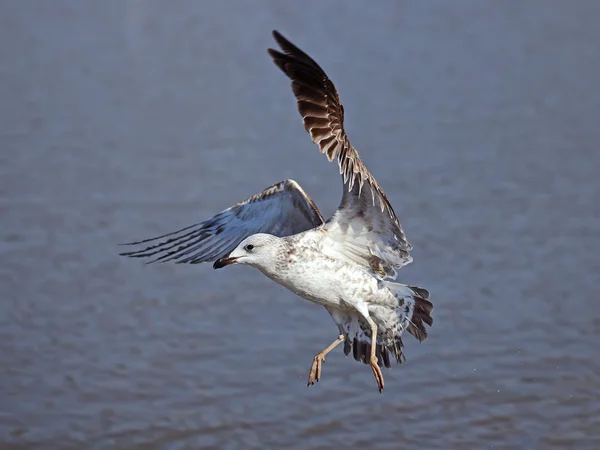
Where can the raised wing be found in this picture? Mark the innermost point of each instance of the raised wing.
(364, 229)
(282, 210)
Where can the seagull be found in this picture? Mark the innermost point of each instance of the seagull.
(346, 263)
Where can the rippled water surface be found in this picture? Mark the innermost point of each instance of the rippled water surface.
(123, 120)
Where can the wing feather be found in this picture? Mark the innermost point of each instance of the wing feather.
(365, 229)
(283, 209)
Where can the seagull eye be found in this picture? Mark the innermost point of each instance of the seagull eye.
(249, 247)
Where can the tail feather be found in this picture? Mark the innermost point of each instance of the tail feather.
(413, 311)
(421, 292)
(421, 313)
(415, 308)
(361, 351)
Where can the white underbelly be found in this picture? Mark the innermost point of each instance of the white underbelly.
(329, 283)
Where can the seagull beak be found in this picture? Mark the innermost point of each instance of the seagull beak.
(225, 261)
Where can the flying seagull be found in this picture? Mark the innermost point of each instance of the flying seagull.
(345, 263)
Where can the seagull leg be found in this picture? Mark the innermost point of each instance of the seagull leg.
(363, 310)
(315, 370)
(374, 362)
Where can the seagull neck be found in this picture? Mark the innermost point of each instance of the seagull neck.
(279, 262)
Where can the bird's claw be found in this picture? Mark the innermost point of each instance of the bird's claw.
(377, 373)
(315, 370)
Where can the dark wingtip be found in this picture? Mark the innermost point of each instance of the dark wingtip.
(279, 58)
(281, 41)
(289, 48)
(279, 37)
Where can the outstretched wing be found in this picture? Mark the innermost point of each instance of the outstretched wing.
(364, 230)
(283, 209)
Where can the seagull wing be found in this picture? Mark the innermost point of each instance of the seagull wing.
(282, 210)
(364, 229)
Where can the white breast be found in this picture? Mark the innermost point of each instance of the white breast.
(326, 281)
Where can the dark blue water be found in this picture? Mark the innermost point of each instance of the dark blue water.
(124, 120)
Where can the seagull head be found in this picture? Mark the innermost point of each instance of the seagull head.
(259, 250)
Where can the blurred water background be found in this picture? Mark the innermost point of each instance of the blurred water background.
(124, 120)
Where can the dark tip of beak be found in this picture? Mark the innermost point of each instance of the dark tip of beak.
(220, 263)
